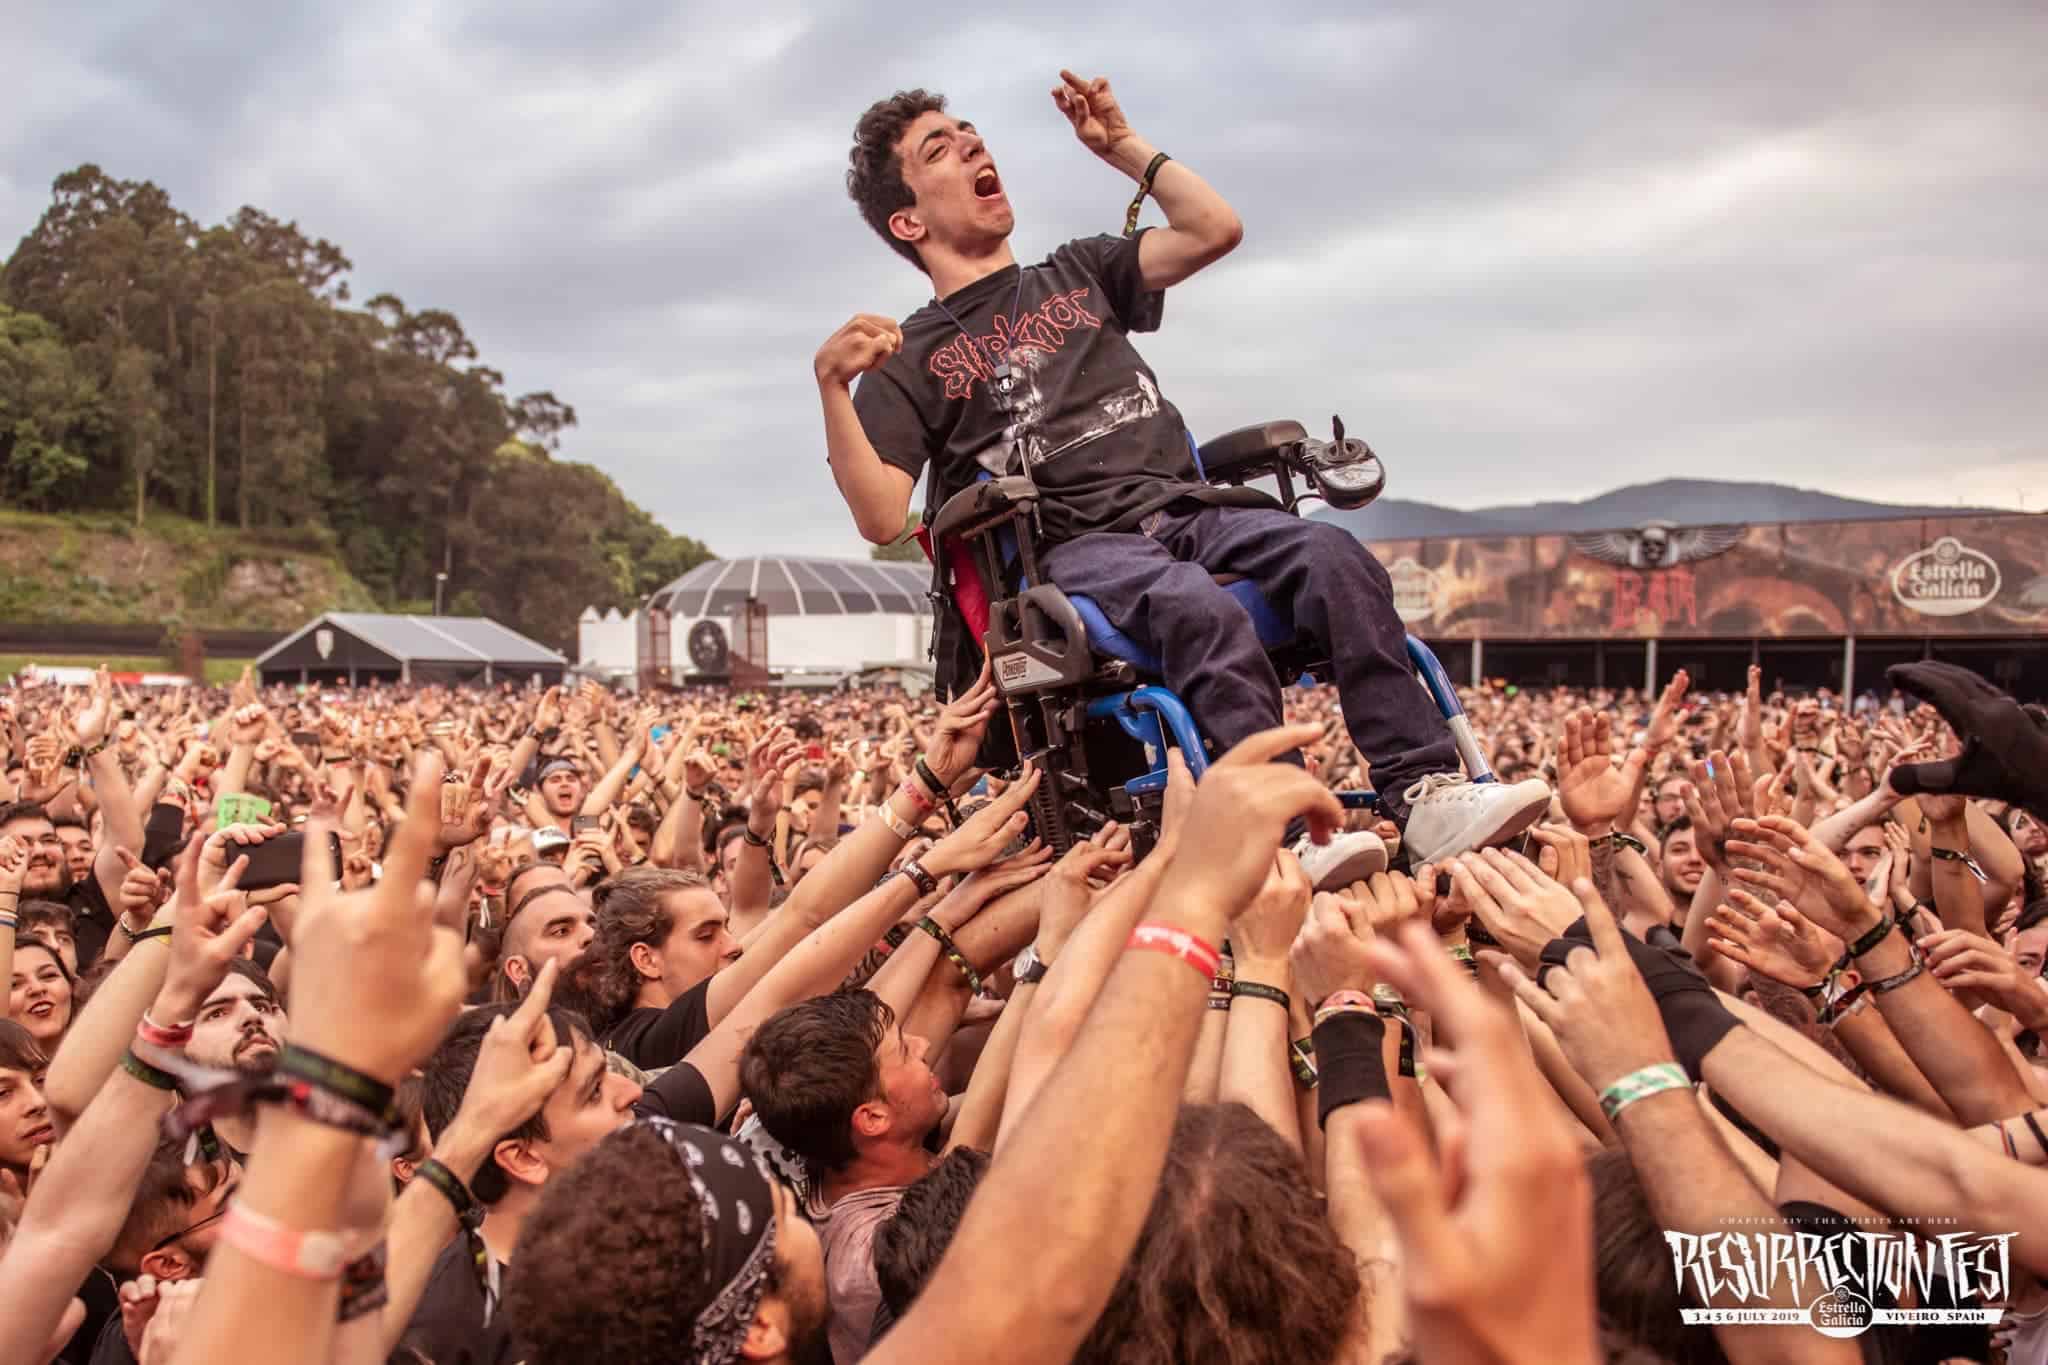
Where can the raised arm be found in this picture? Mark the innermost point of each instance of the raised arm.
(1075, 1182)
(1201, 227)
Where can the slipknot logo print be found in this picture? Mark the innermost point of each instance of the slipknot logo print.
(1044, 329)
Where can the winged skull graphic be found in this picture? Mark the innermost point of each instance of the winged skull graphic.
(1658, 544)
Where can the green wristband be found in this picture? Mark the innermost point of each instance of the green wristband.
(1638, 1085)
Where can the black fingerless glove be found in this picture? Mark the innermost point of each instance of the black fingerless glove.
(2005, 744)
(1350, 1062)
(1694, 1017)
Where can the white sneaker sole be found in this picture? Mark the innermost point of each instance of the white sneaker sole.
(1486, 828)
(1369, 859)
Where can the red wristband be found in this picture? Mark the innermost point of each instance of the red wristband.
(914, 791)
(156, 1035)
(1176, 942)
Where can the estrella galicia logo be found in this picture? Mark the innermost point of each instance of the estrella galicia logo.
(1840, 1313)
(1948, 578)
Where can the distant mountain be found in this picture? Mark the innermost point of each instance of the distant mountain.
(1690, 502)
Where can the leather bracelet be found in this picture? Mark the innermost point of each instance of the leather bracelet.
(1892, 983)
(1875, 936)
(1956, 855)
(927, 884)
(1144, 188)
(951, 951)
(1259, 991)
(757, 840)
(1622, 838)
(468, 1212)
(939, 791)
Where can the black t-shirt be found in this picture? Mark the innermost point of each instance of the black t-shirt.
(653, 1038)
(113, 1345)
(95, 918)
(1085, 418)
(680, 1093)
(448, 1327)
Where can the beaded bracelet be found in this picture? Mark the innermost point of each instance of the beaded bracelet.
(951, 951)
(1639, 1085)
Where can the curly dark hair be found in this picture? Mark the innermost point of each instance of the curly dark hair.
(810, 1066)
(611, 1265)
(909, 1245)
(875, 176)
(1237, 1264)
(631, 908)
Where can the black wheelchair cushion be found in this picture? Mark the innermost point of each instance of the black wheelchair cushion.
(1223, 456)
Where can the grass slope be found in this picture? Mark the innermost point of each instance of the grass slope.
(99, 569)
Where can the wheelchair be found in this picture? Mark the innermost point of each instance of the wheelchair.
(1087, 704)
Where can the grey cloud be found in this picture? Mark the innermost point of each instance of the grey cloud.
(1550, 249)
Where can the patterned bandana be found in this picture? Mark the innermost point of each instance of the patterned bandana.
(739, 1234)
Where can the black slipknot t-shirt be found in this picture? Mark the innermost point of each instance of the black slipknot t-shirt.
(1084, 416)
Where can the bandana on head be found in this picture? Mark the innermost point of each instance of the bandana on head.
(738, 1201)
(557, 765)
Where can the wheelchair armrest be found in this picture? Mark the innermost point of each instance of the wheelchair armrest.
(981, 505)
(1249, 452)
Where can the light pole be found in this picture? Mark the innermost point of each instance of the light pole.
(440, 582)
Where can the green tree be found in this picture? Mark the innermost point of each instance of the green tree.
(52, 415)
(904, 549)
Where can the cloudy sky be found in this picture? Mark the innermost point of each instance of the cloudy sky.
(1529, 251)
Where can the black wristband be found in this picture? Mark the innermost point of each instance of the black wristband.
(468, 1212)
(1259, 991)
(926, 882)
(1475, 932)
(940, 792)
(364, 1289)
(160, 931)
(1694, 1017)
(1350, 1062)
(757, 840)
(366, 1092)
(1875, 936)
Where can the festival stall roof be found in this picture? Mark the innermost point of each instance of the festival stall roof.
(790, 585)
(363, 647)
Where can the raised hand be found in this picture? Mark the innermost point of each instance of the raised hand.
(248, 723)
(1506, 1205)
(1664, 719)
(1092, 108)
(1521, 907)
(1970, 963)
(1594, 791)
(520, 1063)
(90, 725)
(1774, 940)
(1792, 865)
(1264, 933)
(771, 754)
(1069, 892)
(1597, 1003)
(211, 928)
(376, 954)
(863, 342)
(225, 844)
(981, 839)
(1240, 812)
(1720, 792)
(1749, 731)
(1328, 955)
(961, 727)
(13, 868)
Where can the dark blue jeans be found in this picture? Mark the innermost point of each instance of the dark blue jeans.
(1158, 589)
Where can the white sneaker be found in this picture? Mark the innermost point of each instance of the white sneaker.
(1448, 815)
(1347, 858)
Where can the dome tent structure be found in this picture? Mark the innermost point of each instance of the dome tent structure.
(806, 620)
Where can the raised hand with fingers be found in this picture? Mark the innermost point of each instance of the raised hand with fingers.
(1241, 809)
(1505, 1202)
(1775, 940)
(225, 844)
(1790, 864)
(1069, 893)
(1664, 719)
(983, 837)
(1719, 794)
(1091, 107)
(1520, 906)
(1973, 966)
(1594, 791)
(377, 954)
(212, 926)
(962, 725)
(1262, 935)
(1328, 954)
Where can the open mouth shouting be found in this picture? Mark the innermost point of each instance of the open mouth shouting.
(988, 186)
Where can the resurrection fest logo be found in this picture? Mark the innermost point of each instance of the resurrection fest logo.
(1840, 1277)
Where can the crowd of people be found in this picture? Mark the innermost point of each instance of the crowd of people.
(493, 1024)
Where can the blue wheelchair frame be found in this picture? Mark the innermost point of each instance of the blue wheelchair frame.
(984, 516)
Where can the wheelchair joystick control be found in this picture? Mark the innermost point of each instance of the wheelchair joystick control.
(1344, 470)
